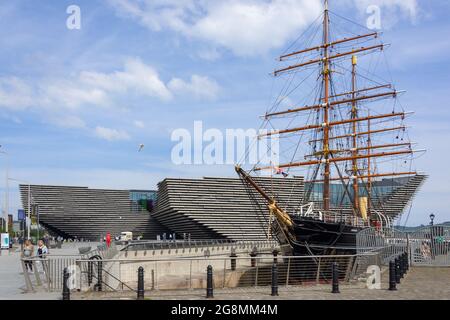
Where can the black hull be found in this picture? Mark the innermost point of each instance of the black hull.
(315, 237)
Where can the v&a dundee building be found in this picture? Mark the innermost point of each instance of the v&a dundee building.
(208, 208)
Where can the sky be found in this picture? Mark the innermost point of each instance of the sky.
(75, 104)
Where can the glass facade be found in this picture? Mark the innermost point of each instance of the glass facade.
(380, 190)
(142, 200)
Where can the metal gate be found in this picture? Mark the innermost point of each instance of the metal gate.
(430, 246)
(387, 242)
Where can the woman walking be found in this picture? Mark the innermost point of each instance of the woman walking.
(28, 250)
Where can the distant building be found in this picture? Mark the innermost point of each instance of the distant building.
(16, 226)
(80, 212)
(208, 208)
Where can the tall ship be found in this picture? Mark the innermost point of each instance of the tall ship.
(341, 126)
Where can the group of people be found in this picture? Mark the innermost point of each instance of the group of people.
(29, 252)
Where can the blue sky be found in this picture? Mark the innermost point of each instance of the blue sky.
(76, 104)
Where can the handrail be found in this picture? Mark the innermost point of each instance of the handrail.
(237, 258)
(161, 245)
(111, 275)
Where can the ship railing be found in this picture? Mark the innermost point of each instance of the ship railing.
(334, 217)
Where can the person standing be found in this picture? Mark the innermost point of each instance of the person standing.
(108, 240)
(27, 253)
(42, 249)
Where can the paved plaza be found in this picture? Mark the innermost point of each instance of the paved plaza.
(12, 283)
(421, 283)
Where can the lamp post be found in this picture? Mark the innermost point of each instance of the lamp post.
(29, 205)
(6, 191)
(432, 216)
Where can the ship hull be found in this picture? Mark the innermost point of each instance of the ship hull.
(321, 238)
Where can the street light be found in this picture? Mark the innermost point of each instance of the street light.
(29, 204)
(432, 216)
(7, 190)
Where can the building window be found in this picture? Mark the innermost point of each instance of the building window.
(142, 200)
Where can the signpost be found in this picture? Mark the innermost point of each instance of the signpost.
(21, 214)
(21, 217)
(5, 241)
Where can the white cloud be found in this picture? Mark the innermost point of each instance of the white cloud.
(199, 87)
(253, 27)
(15, 93)
(139, 124)
(246, 27)
(136, 77)
(62, 102)
(98, 89)
(67, 121)
(70, 95)
(111, 134)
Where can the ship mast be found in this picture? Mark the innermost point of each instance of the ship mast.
(330, 121)
(326, 128)
(354, 132)
(369, 172)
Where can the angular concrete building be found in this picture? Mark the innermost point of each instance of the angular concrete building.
(208, 208)
(79, 212)
(220, 207)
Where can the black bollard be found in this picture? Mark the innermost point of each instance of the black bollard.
(209, 282)
(275, 255)
(274, 280)
(397, 271)
(233, 257)
(392, 282)
(253, 260)
(100, 276)
(140, 290)
(407, 261)
(402, 266)
(335, 275)
(66, 291)
(90, 272)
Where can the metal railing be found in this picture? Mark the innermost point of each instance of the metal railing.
(309, 210)
(48, 270)
(428, 246)
(247, 273)
(186, 244)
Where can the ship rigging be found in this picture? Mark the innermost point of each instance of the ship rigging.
(336, 136)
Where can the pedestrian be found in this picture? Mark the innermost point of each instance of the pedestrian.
(108, 240)
(27, 253)
(42, 249)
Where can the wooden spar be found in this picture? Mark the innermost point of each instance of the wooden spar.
(354, 131)
(365, 133)
(369, 169)
(369, 176)
(326, 129)
(382, 146)
(326, 59)
(333, 103)
(283, 57)
(332, 160)
(331, 124)
(362, 90)
(284, 218)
